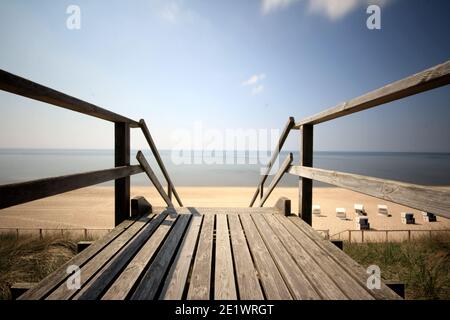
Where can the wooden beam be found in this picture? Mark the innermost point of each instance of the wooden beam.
(287, 128)
(151, 143)
(148, 170)
(283, 206)
(26, 88)
(432, 78)
(122, 185)
(305, 185)
(18, 193)
(429, 199)
(284, 167)
(140, 206)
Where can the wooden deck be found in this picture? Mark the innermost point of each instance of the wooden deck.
(212, 253)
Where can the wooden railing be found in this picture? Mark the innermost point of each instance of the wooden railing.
(430, 199)
(18, 193)
(348, 235)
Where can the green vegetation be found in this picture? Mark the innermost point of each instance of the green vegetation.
(423, 264)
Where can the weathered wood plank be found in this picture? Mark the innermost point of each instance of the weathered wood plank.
(148, 170)
(341, 260)
(271, 279)
(352, 288)
(121, 287)
(224, 284)
(100, 259)
(283, 206)
(298, 283)
(154, 149)
(54, 279)
(313, 271)
(26, 88)
(434, 77)
(305, 187)
(121, 185)
(18, 193)
(428, 199)
(287, 128)
(176, 279)
(154, 276)
(106, 274)
(284, 167)
(247, 279)
(200, 285)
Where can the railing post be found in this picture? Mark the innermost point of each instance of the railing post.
(122, 158)
(305, 185)
(261, 191)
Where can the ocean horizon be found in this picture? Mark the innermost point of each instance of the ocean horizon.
(205, 169)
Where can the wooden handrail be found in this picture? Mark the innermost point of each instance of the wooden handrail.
(148, 137)
(287, 128)
(18, 193)
(284, 167)
(26, 88)
(148, 170)
(430, 199)
(434, 77)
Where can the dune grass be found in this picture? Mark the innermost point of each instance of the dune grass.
(423, 264)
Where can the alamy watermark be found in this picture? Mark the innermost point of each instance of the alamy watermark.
(73, 21)
(73, 282)
(374, 20)
(374, 279)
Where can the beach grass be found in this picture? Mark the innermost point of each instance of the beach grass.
(423, 264)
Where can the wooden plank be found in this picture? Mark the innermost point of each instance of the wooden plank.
(287, 128)
(340, 259)
(148, 170)
(283, 206)
(121, 185)
(200, 285)
(154, 276)
(305, 187)
(18, 193)
(176, 280)
(224, 285)
(100, 259)
(432, 78)
(298, 283)
(284, 167)
(428, 199)
(151, 143)
(323, 283)
(106, 274)
(26, 88)
(46, 285)
(271, 279)
(247, 279)
(341, 276)
(122, 286)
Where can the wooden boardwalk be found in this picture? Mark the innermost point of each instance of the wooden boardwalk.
(212, 253)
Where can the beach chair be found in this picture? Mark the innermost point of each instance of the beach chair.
(362, 223)
(316, 209)
(359, 210)
(383, 210)
(407, 218)
(428, 216)
(341, 213)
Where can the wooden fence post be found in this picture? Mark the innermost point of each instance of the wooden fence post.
(122, 158)
(305, 185)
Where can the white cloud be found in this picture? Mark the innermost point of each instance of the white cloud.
(254, 79)
(258, 89)
(174, 11)
(333, 9)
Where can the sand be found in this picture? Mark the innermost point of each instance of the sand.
(93, 207)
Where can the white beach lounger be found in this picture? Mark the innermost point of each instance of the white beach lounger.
(383, 210)
(359, 209)
(316, 209)
(341, 213)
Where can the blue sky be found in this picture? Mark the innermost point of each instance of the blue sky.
(227, 64)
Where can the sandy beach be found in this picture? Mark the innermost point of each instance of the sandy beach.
(93, 207)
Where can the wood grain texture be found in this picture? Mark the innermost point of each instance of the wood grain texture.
(434, 77)
(429, 199)
(26, 88)
(18, 193)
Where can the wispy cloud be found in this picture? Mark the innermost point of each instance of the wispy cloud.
(332, 9)
(174, 11)
(258, 89)
(254, 79)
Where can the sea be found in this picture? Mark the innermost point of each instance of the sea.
(224, 168)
